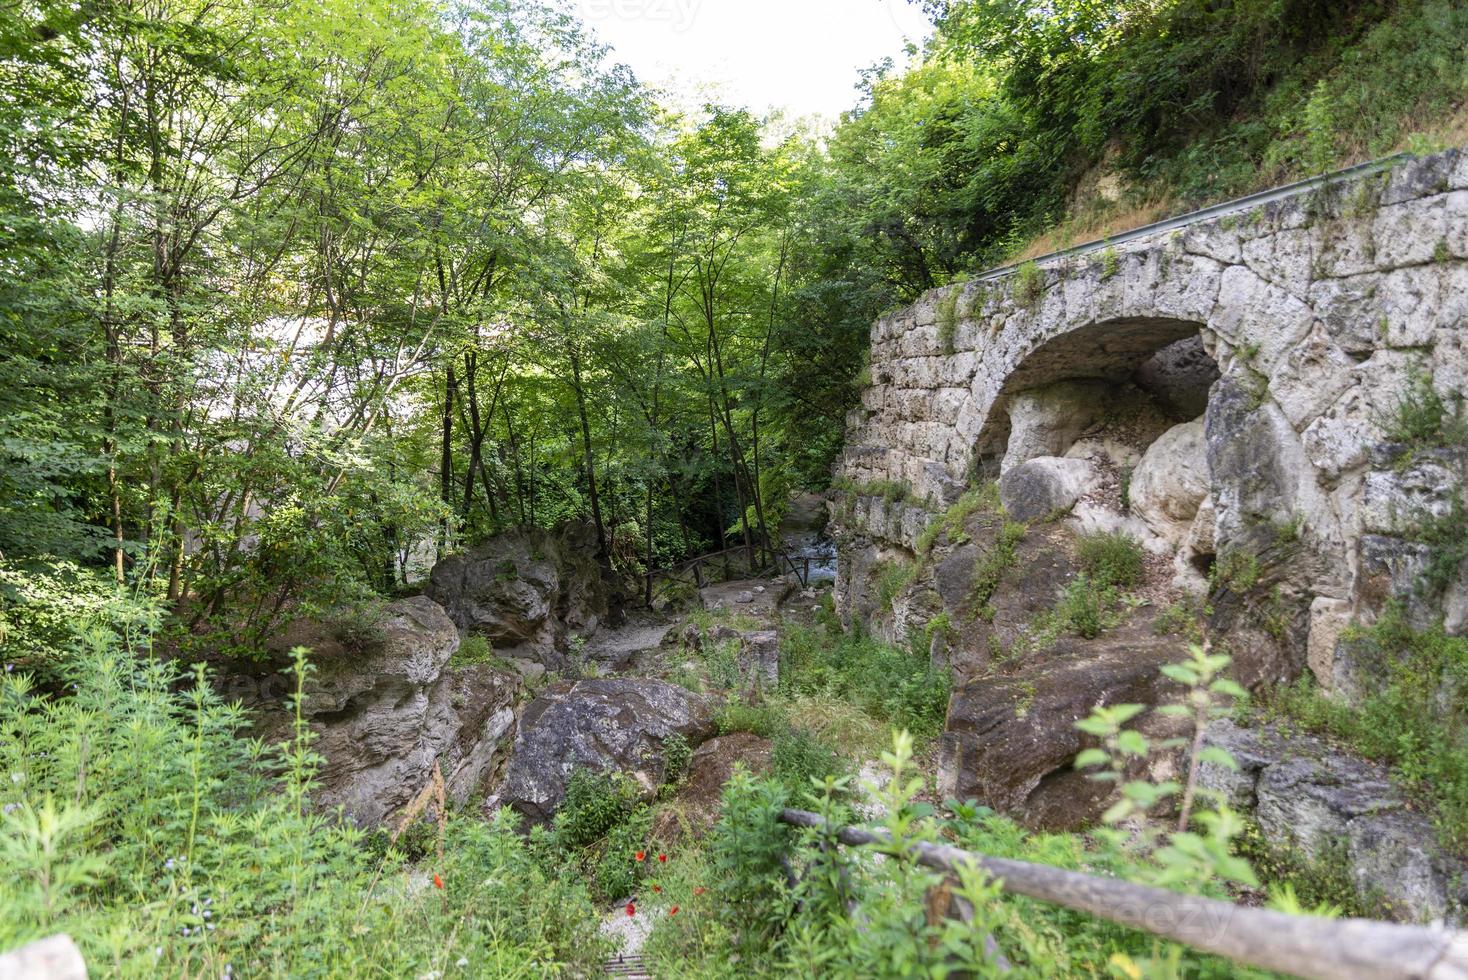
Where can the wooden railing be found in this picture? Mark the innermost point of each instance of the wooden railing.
(721, 566)
(1305, 946)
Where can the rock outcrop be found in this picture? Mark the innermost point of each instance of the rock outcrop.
(605, 725)
(695, 807)
(386, 706)
(1010, 742)
(1331, 809)
(528, 592)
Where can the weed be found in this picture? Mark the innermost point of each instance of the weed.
(992, 565)
(948, 318)
(1029, 285)
(1423, 417)
(1109, 262)
(1111, 558)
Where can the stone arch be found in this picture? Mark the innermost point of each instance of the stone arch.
(1162, 358)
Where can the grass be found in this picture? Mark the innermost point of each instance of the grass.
(993, 564)
(948, 318)
(894, 687)
(981, 498)
(1112, 558)
(474, 650)
(891, 578)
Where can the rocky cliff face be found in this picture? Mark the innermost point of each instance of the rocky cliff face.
(1264, 400)
(527, 592)
(386, 706)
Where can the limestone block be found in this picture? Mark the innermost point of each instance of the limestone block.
(1046, 421)
(1329, 618)
(1408, 233)
(1286, 259)
(1042, 486)
(1254, 313)
(1311, 377)
(1346, 248)
(1350, 309)
(1171, 481)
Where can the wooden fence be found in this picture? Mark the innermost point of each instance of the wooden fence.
(1328, 949)
(722, 566)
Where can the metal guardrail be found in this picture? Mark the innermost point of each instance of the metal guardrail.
(1279, 193)
(1304, 946)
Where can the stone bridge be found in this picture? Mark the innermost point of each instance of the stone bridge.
(1288, 333)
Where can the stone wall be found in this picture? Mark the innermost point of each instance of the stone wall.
(1315, 313)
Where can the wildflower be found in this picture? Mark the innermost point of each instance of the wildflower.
(657, 888)
(463, 961)
(640, 855)
(631, 909)
(437, 881)
(11, 807)
(699, 890)
(673, 910)
(662, 859)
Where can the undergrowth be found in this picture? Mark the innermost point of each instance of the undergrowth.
(1409, 718)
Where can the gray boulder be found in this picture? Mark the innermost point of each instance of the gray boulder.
(385, 707)
(1045, 485)
(1313, 800)
(527, 592)
(605, 725)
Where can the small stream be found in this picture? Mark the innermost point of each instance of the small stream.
(819, 549)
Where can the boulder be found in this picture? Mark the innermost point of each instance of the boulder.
(1047, 421)
(694, 808)
(1046, 485)
(1171, 481)
(605, 725)
(1311, 799)
(1179, 376)
(528, 592)
(385, 707)
(1011, 742)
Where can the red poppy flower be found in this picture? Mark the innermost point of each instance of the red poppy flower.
(631, 909)
(657, 888)
(699, 890)
(641, 854)
(663, 858)
(673, 910)
(437, 882)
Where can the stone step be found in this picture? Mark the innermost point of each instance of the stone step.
(631, 967)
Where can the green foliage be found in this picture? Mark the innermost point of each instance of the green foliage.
(1183, 618)
(1111, 558)
(891, 578)
(677, 753)
(475, 650)
(896, 686)
(1029, 284)
(1236, 570)
(952, 520)
(948, 318)
(210, 859)
(1407, 718)
(601, 825)
(993, 564)
(1424, 417)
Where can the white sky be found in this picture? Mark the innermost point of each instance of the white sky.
(801, 55)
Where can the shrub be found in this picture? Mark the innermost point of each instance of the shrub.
(209, 858)
(594, 804)
(1423, 417)
(798, 757)
(993, 564)
(1111, 558)
(1029, 284)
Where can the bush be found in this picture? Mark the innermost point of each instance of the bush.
(1111, 558)
(896, 686)
(209, 858)
(798, 757)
